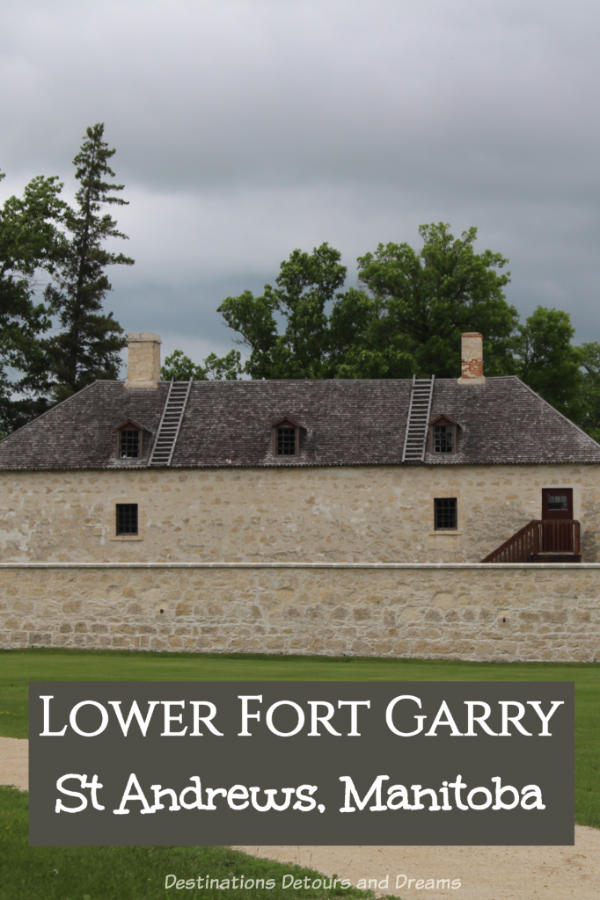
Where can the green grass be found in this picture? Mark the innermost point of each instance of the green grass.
(123, 872)
(129, 873)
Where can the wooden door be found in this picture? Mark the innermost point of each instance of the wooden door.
(557, 519)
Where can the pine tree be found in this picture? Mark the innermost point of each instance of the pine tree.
(89, 342)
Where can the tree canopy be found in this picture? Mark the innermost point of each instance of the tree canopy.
(30, 242)
(431, 296)
(547, 361)
(179, 367)
(45, 242)
(306, 285)
(589, 417)
(404, 316)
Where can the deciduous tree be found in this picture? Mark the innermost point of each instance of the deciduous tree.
(406, 315)
(549, 363)
(179, 367)
(425, 299)
(589, 418)
(286, 329)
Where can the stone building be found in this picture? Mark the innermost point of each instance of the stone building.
(303, 516)
(440, 470)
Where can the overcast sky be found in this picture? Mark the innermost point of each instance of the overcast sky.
(247, 128)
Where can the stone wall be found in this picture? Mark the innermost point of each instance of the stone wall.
(350, 514)
(470, 612)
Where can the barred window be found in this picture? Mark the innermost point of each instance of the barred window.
(129, 443)
(443, 438)
(445, 513)
(286, 441)
(127, 518)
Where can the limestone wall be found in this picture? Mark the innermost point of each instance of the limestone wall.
(361, 514)
(535, 612)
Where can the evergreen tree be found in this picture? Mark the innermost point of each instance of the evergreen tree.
(89, 342)
(30, 243)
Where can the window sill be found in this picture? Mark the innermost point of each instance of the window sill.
(445, 531)
(126, 537)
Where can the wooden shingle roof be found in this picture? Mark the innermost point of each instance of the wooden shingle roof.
(341, 422)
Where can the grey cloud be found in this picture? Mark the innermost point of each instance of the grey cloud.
(245, 129)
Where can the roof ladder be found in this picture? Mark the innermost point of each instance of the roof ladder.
(419, 411)
(170, 423)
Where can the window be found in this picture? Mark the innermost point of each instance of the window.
(445, 513)
(127, 518)
(558, 501)
(286, 438)
(129, 443)
(443, 438)
(286, 441)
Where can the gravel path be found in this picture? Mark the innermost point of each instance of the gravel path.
(485, 873)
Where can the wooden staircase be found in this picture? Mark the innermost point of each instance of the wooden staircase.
(415, 439)
(170, 423)
(541, 540)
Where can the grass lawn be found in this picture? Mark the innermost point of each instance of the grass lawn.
(133, 872)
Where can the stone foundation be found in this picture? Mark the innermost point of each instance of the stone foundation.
(450, 611)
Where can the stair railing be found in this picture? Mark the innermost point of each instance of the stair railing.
(521, 547)
(538, 538)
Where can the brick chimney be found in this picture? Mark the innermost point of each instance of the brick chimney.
(471, 358)
(143, 360)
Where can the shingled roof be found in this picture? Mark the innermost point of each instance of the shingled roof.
(342, 423)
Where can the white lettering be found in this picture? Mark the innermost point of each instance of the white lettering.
(82, 705)
(46, 698)
(92, 784)
(133, 791)
(134, 713)
(206, 719)
(351, 794)
(299, 718)
(536, 706)
(245, 698)
(389, 713)
(444, 717)
(354, 704)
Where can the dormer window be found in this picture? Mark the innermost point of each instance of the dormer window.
(129, 441)
(130, 444)
(443, 438)
(286, 438)
(286, 441)
(443, 435)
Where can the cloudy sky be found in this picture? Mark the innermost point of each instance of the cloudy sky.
(246, 128)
